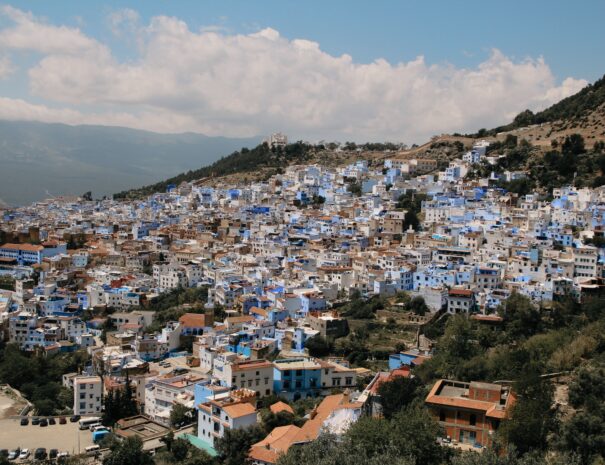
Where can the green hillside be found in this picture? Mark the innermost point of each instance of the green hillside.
(241, 161)
(571, 108)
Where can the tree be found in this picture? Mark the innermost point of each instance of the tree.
(233, 447)
(329, 450)
(180, 416)
(532, 417)
(573, 145)
(588, 387)
(129, 403)
(410, 219)
(272, 420)
(180, 449)
(584, 434)
(128, 452)
(199, 457)
(354, 188)
(397, 394)
(168, 440)
(525, 118)
(418, 305)
(521, 317)
(119, 403)
(318, 346)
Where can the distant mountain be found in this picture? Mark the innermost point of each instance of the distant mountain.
(39, 160)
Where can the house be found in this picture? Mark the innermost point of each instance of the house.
(408, 358)
(88, 395)
(230, 410)
(163, 392)
(132, 320)
(303, 377)
(297, 378)
(335, 414)
(460, 301)
(194, 324)
(470, 413)
(27, 254)
(328, 324)
(255, 375)
(370, 396)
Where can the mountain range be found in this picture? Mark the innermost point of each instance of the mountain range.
(42, 160)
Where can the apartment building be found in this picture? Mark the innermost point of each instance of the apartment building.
(470, 413)
(88, 395)
(228, 411)
(255, 375)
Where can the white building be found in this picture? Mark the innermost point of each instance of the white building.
(230, 410)
(88, 391)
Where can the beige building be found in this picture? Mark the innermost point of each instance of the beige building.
(88, 395)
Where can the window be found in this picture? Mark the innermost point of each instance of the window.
(267, 392)
(286, 373)
(298, 384)
(442, 415)
(472, 419)
(286, 384)
(299, 372)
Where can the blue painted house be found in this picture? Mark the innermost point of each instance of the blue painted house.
(296, 378)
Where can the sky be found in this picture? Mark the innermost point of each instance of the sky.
(400, 71)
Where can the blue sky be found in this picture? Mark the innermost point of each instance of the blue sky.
(516, 55)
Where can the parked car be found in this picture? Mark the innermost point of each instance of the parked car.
(24, 454)
(74, 418)
(95, 425)
(14, 454)
(92, 450)
(62, 421)
(24, 421)
(53, 454)
(40, 454)
(52, 421)
(44, 422)
(35, 421)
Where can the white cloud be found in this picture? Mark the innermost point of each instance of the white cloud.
(243, 85)
(30, 33)
(6, 67)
